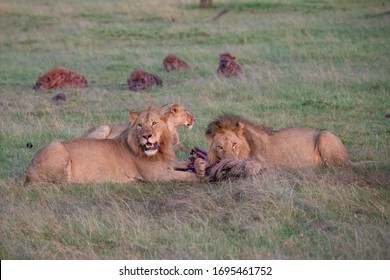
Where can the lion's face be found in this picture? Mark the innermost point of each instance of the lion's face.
(186, 119)
(226, 143)
(181, 117)
(149, 131)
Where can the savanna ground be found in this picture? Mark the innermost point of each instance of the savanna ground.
(313, 63)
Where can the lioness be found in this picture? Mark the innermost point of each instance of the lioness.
(175, 116)
(60, 77)
(142, 152)
(242, 147)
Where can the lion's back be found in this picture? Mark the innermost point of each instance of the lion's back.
(100, 160)
(293, 147)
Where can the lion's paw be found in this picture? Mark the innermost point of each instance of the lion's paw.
(200, 166)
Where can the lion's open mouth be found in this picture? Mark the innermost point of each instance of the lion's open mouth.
(150, 148)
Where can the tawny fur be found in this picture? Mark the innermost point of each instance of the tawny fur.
(144, 152)
(228, 66)
(172, 62)
(60, 77)
(175, 116)
(142, 80)
(256, 148)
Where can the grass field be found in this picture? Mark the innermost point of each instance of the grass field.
(312, 63)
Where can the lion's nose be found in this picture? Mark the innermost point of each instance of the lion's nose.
(146, 136)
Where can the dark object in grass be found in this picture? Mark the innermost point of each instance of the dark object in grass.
(321, 226)
(59, 97)
(29, 145)
(387, 116)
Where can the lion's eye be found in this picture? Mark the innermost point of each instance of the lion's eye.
(154, 123)
(234, 145)
(219, 147)
(139, 125)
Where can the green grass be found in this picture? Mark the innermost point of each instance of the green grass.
(320, 64)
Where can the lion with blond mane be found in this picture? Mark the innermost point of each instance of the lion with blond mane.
(175, 116)
(239, 147)
(143, 152)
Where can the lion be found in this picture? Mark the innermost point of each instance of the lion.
(141, 80)
(228, 66)
(143, 152)
(60, 77)
(241, 147)
(176, 116)
(172, 62)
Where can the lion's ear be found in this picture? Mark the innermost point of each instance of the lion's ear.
(133, 115)
(174, 109)
(239, 129)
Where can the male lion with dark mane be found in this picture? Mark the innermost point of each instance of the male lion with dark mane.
(239, 147)
(143, 152)
(175, 116)
(60, 77)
